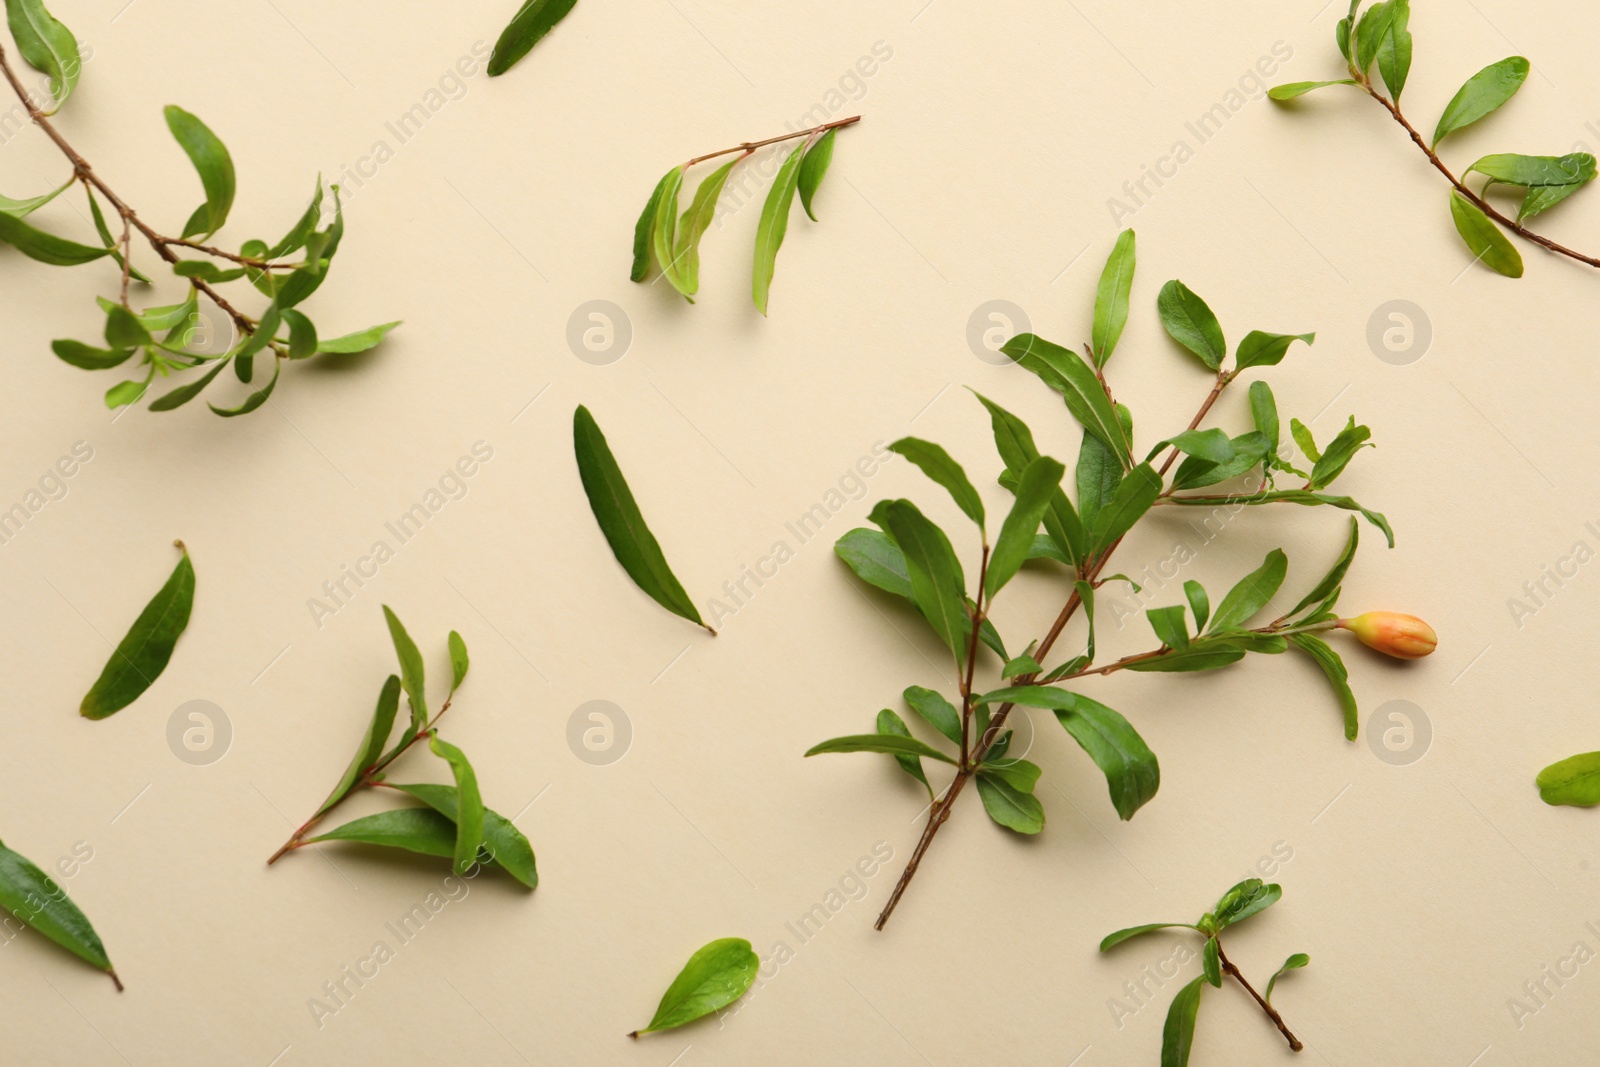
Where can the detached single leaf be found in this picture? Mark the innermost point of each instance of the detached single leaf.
(503, 843)
(715, 976)
(1484, 238)
(1483, 94)
(532, 21)
(143, 654)
(372, 742)
(37, 901)
(1111, 298)
(210, 157)
(890, 743)
(1177, 1034)
(774, 224)
(1574, 781)
(46, 45)
(46, 247)
(1189, 321)
(813, 168)
(413, 676)
(620, 521)
(469, 802)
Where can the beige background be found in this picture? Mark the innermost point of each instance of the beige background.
(1426, 894)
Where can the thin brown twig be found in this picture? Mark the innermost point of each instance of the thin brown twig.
(1272, 1013)
(750, 146)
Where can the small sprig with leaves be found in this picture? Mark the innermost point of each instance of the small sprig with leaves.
(1381, 35)
(911, 557)
(1247, 898)
(454, 824)
(672, 242)
(165, 337)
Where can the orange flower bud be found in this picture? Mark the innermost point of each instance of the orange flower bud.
(1393, 634)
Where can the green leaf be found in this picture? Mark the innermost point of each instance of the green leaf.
(937, 584)
(1014, 441)
(1510, 168)
(1309, 499)
(1484, 238)
(532, 21)
(355, 342)
(81, 355)
(1293, 89)
(413, 676)
(620, 521)
(302, 335)
(1338, 454)
(1177, 1034)
(45, 247)
(1394, 49)
(206, 271)
(458, 661)
(1371, 32)
(1111, 941)
(1111, 298)
(372, 742)
(469, 802)
(1018, 773)
(143, 654)
(109, 241)
(1170, 625)
(890, 743)
(1021, 665)
(180, 396)
(1483, 94)
(715, 976)
(1134, 496)
(1075, 380)
(1253, 592)
(644, 230)
(891, 724)
(1267, 349)
(935, 710)
(129, 392)
(19, 208)
(1293, 963)
(256, 398)
(1302, 438)
(876, 560)
(1264, 413)
(1211, 962)
(1212, 446)
(47, 46)
(1248, 898)
(692, 227)
(1338, 677)
(1009, 806)
(420, 830)
(1199, 603)
(774, 224)
(215, 166)
(1132, 772)
(813, 168)
(1098, 475)
(664, 232)
(1040, 481)
(302, 230)
(1336, 573)
(37, 901)
(1189, 321)
(1574, 780)
(936, 463)
(1541, 198)
(503, 843)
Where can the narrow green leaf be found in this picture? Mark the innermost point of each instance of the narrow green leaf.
(715, 976)
(1211, 962)
(1334, 669)
(890, 743)
(469, 802)
(1336, 573)
(1134, 496)
(88, 358)
(935, 710)
(1014, 441)
(1111, 298)
(109, 241)
(19, 208)
(774, 224)
(351, 343)
(1075, 380)
(620, 521)
(1170, 625)
(302, 230)
(372, 742)
(420, 830)
(1482, 95)
(1309, 499)
(413, 675)
(45, 247)
(1249, 897)
(891, 724)
(125, 393)
(1303, 439)
(1212, 446)
(1294, 89)
(1371, 32)
(1574, 780)
(1132, 772)
(1253, 592)
(1260, 349)
(180, 396)
(1199, 603)
(936, 463)
(143, 653)
(1177, 1034)
(1009, 806)
(696, 220)
(1338, 454)
(37, 901)
(1111, 941)
(644, 230)
(664, 232)
(1040, 481)
(1293, 963)
(211, 160)
(1264, 413)
(1394, 50)
(1509, 168)
(458, 661)
(1483, 237)
(1189, 321)
(503, 843)
(1199, 657)
(256, 398)
(532, 21)
(813, 168)
(47, 46)
(937, 584)
(302, 335)
(876, 560)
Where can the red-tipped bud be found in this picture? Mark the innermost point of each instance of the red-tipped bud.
(1393, 634)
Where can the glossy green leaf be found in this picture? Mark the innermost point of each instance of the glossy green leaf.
(1394, 49)
(372, 742)
(143, 653)
(351, 343)
(1067, 373)
(1334, 669)
(302, 230)
(45, 247)
(664, 231)
(256, 398)
(1336, 573)
(813, 168)
(413, 675)
(1260, 349)
(1009, 806)
(503, 843)
(1574, 780)
(47, 46)
(37, 901)
(935, 710)
(1111, 941)
(469, 802)
(1541, 198)
(937, 584)
(1189, 321)
(1014, 441)
(1293, 963)
(1171, 626)
(620, 521)
(1264, 413)
(1040, 481)
(206, 271)
(88, 358)
(180, 396)
(215, 166)
(891, 724)
(1253, 592)
(1372, 29)
(692, 227)
(108, 240)
(458, 661)
(890, 743)
(715, 976)
(1134, 496)
(876, 560)
(420, 830)
(1132, 772)
(1206, 656)
(1099, 472)
(1338, 453)
(1291, 90)
(1483, 237)
(644, 230)
(1212, 446)
(20, 208)
(774, 224)
(1510, 168)
(1199, 603)
(936, 463)
(1111, 298)
(1211, 962)
(1249, 897)
(1483, 94)
(1177, 1033)
(532, 21)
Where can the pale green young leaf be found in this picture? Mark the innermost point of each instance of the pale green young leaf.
(372, 741)
(1111, 298)
(715, 976)
(774, 224)
(1112, 940)
(692, 227)
(1483, 238)
(1293, 963)
(1482, 95)
(1291, 90)
(413, 675)
(813, 168)
(503, 843)
(47, 46)
(1260, 349)
(1252, 593)
(1574, 781)
(890, 743)
(469, 809)
(352, 343)
(644, 230)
